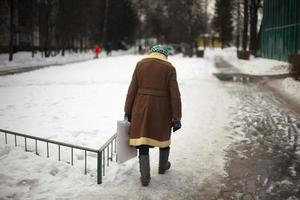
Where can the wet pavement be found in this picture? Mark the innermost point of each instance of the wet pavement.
(264, 162)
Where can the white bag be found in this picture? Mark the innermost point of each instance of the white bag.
(124, 151)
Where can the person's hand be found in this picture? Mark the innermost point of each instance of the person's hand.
(127, 116)
(176, 124)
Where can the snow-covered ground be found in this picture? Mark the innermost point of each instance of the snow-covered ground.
(72, 104)
(292, 87)
(80, 103)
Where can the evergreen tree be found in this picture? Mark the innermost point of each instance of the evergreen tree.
(174, 21)
(222, 21)
(79, 20)
(186, 20)
(12, 30)
(121, 22)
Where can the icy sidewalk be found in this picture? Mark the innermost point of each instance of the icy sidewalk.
(197, 150)
(265, 162)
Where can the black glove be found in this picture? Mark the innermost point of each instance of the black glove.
(176, 124)
(127, 116)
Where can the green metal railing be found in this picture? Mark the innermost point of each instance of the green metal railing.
(104, 155)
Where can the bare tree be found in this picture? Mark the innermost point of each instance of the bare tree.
(238, 23)
(246, 24)
(104, 31)
(254, 45)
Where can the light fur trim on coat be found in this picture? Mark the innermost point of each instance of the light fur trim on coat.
(149, 141)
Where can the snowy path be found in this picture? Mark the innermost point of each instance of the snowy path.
(197, 151)
(80, 104)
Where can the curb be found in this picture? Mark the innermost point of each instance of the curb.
(266, 81)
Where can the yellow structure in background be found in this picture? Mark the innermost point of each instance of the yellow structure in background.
(209, 41)
(216, 42)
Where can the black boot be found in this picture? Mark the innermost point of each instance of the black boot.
(145, 169)
(164, 163)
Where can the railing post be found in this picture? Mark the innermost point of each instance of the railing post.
(59, 152)
(5, 138)
(99, 167)
(111, 152)
(103, 157)
(47, 150)
(36, 151)
(15, 140)
(25, 144)
(72, 156)
(85, 162)
(107, 149)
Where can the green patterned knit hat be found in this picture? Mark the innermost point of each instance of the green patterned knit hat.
(160, 49)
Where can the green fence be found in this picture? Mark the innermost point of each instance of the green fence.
(104, 155)
(280, 28)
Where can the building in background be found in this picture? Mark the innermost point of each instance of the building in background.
(280, 29)
(209, 40)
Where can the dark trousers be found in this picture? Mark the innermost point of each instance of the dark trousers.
(144, 149)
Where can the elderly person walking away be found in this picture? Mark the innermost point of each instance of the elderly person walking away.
(153, 106)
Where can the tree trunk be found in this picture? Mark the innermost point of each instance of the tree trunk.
(81, 45)
(32, 28)
(48, 38)
(63, 46)
(253, 26)
(245, 31)
(104, 30)
(258, 47)
(238, 25)
(12, 30)
(46, 48)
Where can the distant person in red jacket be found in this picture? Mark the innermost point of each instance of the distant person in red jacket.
(97, 51)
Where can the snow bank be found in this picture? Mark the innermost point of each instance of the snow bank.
(292, 87)
(262, 66)
(25, 59)
(25, 176)
(289, 88)
(254, 66)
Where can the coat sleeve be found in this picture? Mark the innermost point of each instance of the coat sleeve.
(131, 93)
(174, 95)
